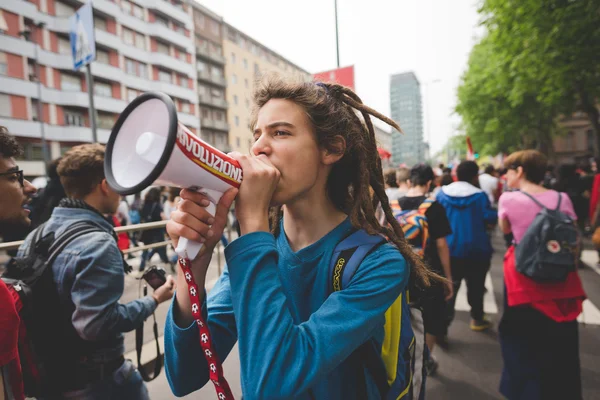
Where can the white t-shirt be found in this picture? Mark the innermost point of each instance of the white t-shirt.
(488, 184)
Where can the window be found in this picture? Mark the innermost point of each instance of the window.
(102, 56)
(162, 48)
(245, 64)
(64, 46)
(218, 115)
(237, 141)
(126, 7)
(74, 118)
(183, 56)
(132, 94)
(247, 103)
(32, 151)
(138, 12)
(233, 79)
(214, 27)
(128, 36)
(3, 24)
(233, 58)
(162, 21)
(179, 28)
(63, 10)
(205, 113)
(142, 70)
(217, 72)
(246, 83)
(70, 83)
(200, 21)
(235, 99)
(140, 41)
(3, 64)
(130, 66)
(201, 66)
(164, 76)
(5, 107)
(237, 120)
(185, 107)
(100, 23)
(184, 81)
(256, 69)
(102, 89)
(105, 121)
(34, 110)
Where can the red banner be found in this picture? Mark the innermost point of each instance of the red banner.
(343, 76)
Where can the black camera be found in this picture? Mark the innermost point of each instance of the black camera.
(155, 276)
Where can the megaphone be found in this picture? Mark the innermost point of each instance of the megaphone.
(148, 146)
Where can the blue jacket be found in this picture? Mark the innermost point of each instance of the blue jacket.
(294, 338)
(94, 292)
(468, 209)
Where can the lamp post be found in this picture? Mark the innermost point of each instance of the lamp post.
(337, 40)
(27, 36)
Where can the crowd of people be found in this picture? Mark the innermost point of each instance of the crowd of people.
(313, 180)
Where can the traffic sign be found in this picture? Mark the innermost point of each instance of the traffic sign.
(81, 33)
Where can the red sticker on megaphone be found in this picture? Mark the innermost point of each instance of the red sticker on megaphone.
(212, 160)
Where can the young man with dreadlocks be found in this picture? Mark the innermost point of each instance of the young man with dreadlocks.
(313, 176)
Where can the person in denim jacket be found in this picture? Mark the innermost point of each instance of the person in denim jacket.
(89, 275)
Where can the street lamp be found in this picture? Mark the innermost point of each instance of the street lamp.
(26, 34)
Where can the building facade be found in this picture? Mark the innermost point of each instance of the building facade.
(406, 110)
(141, 45)
(578, 142)
(246, 60)
(210, 68)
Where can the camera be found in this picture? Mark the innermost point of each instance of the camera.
(155, 276)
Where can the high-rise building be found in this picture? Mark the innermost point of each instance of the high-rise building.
(247, 59)
(406, 110)
(140, 46)
(210, 67)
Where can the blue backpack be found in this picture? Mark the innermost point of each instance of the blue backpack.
(398, 364)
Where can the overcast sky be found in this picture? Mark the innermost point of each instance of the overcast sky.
(380, 37)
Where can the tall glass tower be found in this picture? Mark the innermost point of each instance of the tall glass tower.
(407, 111)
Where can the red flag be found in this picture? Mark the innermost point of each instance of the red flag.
(470, 152)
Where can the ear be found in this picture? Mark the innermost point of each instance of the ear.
(104, 187)
(334, 152)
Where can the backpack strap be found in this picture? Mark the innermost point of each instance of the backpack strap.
(559, 200)
(537, 202)
(74, 230)
(348, 255)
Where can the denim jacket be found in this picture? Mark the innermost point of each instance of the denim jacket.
(94, 292)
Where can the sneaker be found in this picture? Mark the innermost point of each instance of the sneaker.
(431, 366)
(480, 325)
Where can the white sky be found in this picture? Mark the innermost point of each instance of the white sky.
(380, 37)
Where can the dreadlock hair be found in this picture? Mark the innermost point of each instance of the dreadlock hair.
(355, 183)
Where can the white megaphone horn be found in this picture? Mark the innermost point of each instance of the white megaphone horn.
(148, 146)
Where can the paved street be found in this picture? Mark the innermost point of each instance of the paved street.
(469, 369)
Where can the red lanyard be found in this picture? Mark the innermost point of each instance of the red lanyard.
(214, 365)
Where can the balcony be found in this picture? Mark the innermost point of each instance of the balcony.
(14, 45)
(107, 71)
(174, 90)
(58, 61)
(75, 133)
(211, 101)
(170, 10)
(204, 52)
(215, 80)
(214, 124)
(21, 127)
(18, 87)
(80, 99)
(159, 30)
(173, 63)
(189, 120)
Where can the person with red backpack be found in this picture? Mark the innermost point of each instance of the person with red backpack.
(426, 226)
(16, 193)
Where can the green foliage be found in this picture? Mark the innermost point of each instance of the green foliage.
(538, 61)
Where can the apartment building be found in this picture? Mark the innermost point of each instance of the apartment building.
(246, 59)
(210, 69)
(141, 45)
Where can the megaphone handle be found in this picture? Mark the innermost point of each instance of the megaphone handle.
(189, 248)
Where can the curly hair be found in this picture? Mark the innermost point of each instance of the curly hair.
(355, 184)
(9, 147)
(81, 169)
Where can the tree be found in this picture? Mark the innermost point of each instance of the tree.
(554, 51)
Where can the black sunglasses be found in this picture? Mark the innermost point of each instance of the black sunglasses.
(19, 175)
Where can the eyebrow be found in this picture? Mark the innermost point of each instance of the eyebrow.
(275, 124)
(13, 169)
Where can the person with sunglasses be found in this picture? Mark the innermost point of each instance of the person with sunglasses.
(16, 193)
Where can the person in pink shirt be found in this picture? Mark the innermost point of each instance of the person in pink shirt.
(538, 330)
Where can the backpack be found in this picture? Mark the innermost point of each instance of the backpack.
(548, 250)
(41, 340)
(134, 216)
(415, 226)
(394, 366)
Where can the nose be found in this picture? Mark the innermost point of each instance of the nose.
(261, 146)
(28, 188)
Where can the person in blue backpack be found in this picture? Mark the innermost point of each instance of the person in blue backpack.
(312, 178)
(469, 212)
